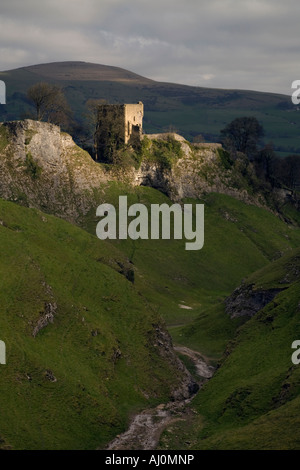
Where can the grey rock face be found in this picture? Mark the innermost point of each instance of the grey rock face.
(161, 339)
(43, 168)
(245, 301)
(196, 173)
(46, 317)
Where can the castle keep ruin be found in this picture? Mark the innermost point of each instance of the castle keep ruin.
(133, 119)
(117, 125)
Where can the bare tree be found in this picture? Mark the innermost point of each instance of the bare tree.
(49, 102)
(109, 133)
(92, 106)
(87, 130)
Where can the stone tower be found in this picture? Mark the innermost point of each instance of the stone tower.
(117, 125)
(133, 120)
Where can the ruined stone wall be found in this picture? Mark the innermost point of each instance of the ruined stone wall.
(133, 115)
(117, 124)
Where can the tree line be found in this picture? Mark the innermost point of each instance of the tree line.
(243, 136)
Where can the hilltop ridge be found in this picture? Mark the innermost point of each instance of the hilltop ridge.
(74, 70)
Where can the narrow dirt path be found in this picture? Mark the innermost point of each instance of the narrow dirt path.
(146, 427)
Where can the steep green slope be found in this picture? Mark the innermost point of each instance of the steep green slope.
(252, 402)
(81, 342)
(239, 239)
(81, 354)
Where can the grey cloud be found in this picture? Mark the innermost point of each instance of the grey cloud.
(222, 43)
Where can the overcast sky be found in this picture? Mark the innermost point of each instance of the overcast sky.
(246, 44)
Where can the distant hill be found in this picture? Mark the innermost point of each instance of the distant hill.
(186, 109)
(83, 71)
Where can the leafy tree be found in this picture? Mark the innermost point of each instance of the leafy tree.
(242, 135)
(265, 164)
(49, 102)
(288, 171)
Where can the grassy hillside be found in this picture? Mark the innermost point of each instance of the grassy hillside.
(82, 352)
(239, 239)
(190, 110)
(71, 383)
(255, 391)
(252, 402)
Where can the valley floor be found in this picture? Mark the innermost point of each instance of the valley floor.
(146, 427)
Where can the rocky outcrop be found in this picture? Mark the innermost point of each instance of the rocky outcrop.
(247, 301)
(197, 172)
(47, 316)
(42, 167)
(160, 338)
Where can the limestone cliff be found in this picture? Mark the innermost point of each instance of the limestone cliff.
(247, 301)
(42, 167)
(199, 170)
